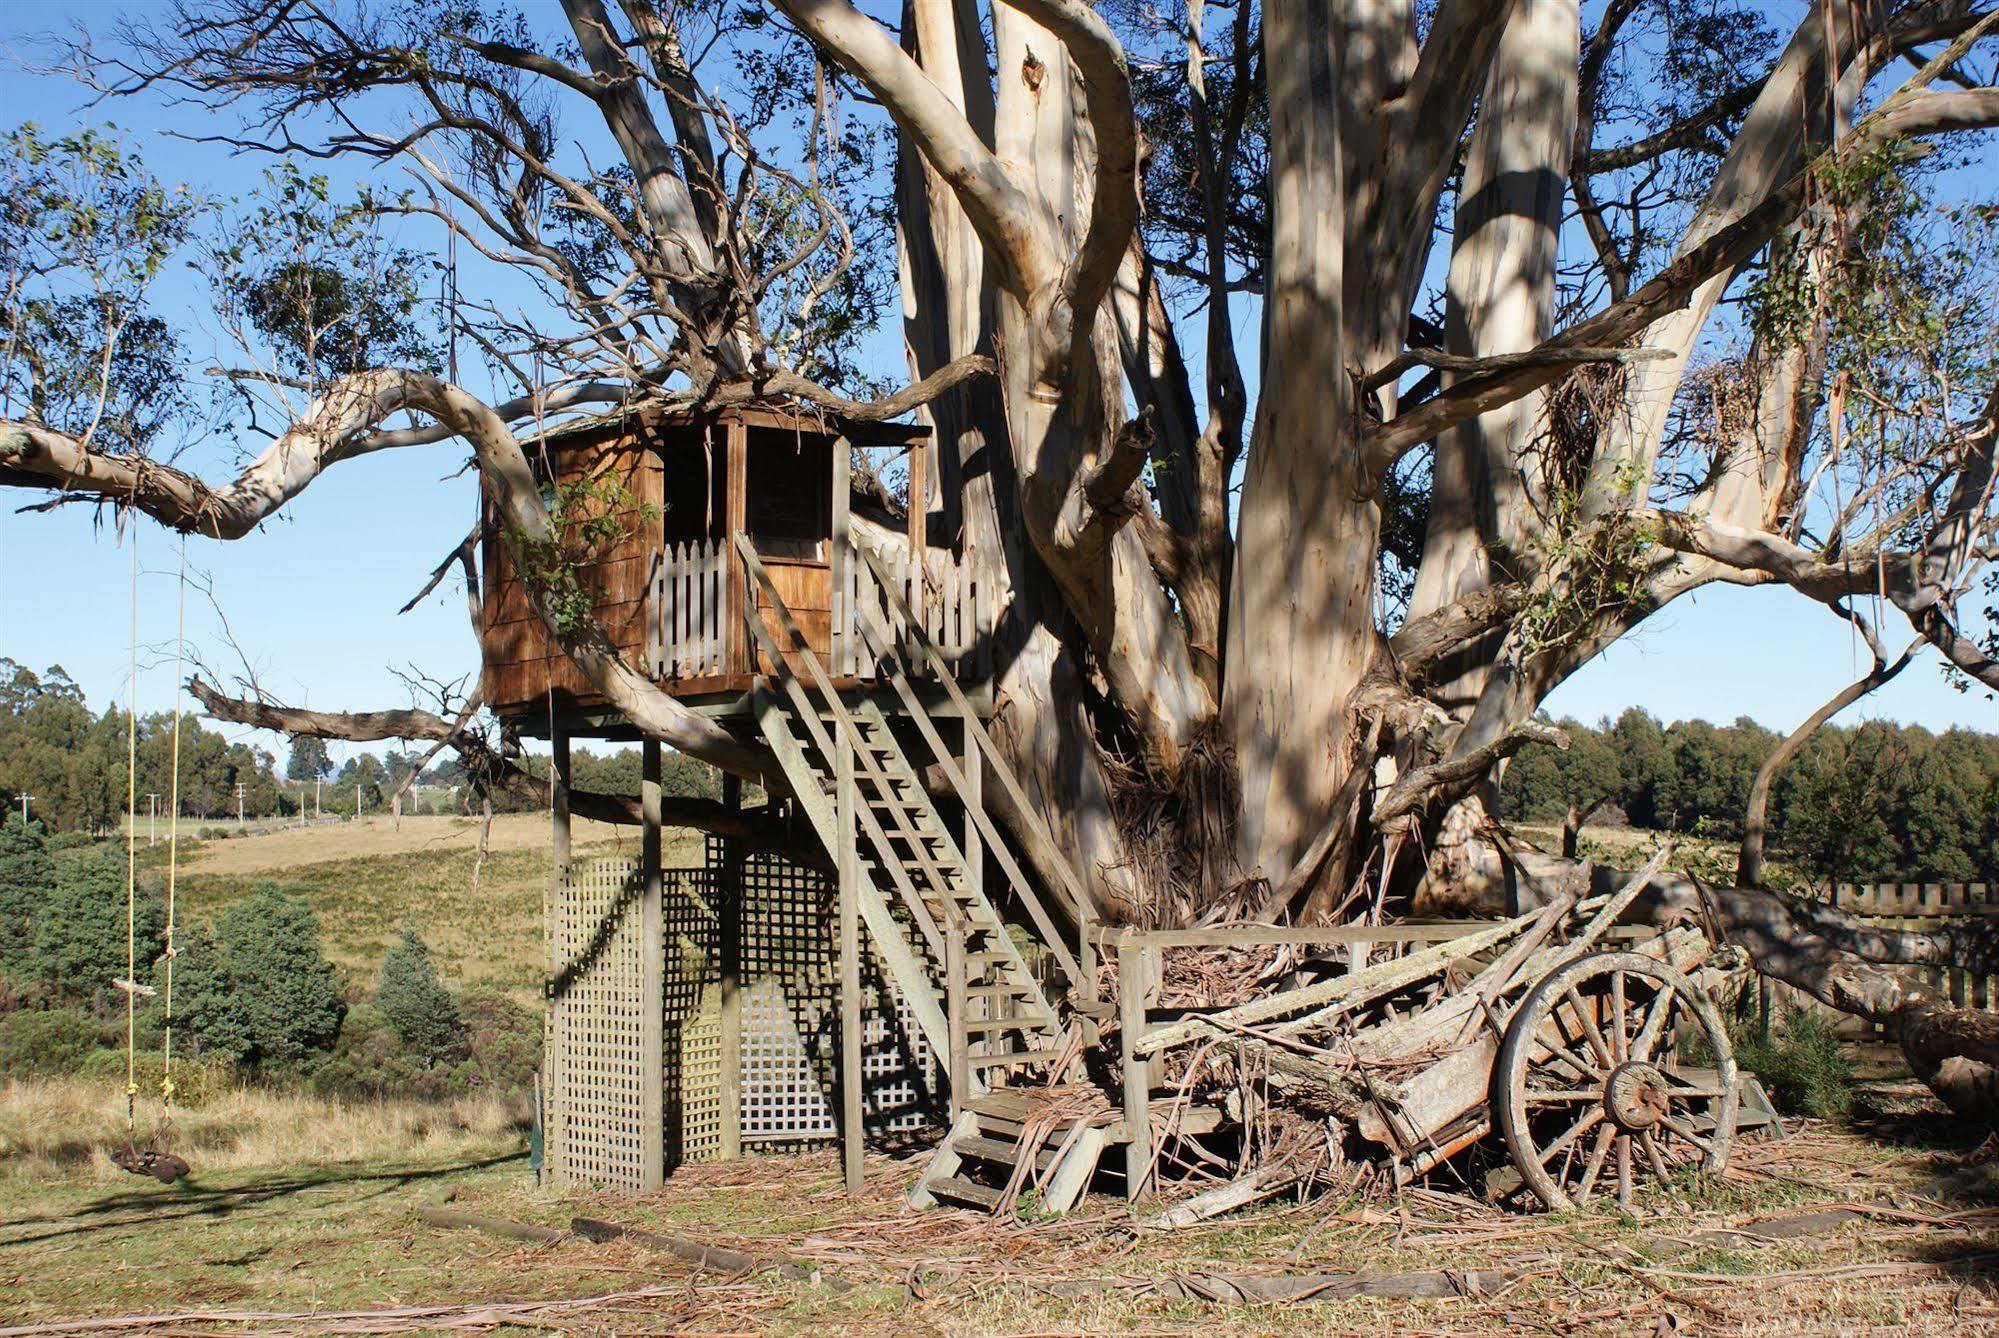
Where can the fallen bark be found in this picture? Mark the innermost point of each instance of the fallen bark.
(1295, 1287)
(693, 1252)
(452, 1219)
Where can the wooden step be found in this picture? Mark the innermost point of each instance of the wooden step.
(982, 1025)
(960, 1190)
(1002, 1151)
(1016, 1059)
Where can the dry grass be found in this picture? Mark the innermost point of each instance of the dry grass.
(61, 1127)
(347, 1238)
(286, 851)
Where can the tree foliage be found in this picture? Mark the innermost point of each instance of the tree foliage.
(71, 762)
(279, 978)
(412, 997)
(1875, 802)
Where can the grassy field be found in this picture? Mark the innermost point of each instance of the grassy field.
(366, 879)
(303, 1211)
(323, 1235)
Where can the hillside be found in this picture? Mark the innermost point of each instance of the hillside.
(366, 879)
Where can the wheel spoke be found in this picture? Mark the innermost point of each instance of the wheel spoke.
(1597, 1044)
(1563, 1096)
(1681, 1129)
(1558, 1053)
(1623, 1171)
(1598, 1154)
(1653, 1155)
(1654, 1024)
(1590, 1119)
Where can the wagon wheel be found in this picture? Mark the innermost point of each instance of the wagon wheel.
(1581, 1089)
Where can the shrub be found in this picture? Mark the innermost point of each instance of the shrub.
(26, 871)
(1802, 1064)
(417, 1005)
(209, 1017)
(370, 1059)
(278, 977)
(196, 1081)
(505, 1039)
(41, 1042)
(79, 947)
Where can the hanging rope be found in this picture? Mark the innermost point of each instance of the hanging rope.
(153, 1160)
(131, 982)
(173, 856)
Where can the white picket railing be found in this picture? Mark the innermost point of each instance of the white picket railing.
(689, 615)
(689, 619)
(946, 599)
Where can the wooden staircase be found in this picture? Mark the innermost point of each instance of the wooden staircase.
(919, 894)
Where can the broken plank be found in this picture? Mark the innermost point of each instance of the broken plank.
(1348, 991)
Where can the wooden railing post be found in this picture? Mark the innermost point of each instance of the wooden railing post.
(1137, 967)
(840, 647)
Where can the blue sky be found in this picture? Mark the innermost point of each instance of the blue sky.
(312, 599)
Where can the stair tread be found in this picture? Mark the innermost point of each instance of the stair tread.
(1003, 1151)
(1015, 1058)
(965, 1191)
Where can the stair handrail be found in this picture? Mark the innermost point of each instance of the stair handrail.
(842, 720)
(1081, 903)
(880, 640)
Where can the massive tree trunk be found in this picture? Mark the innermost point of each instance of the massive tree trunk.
(1302, 618)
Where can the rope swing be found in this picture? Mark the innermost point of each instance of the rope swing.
(154, 1159)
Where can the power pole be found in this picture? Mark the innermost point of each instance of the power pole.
(25, 797)
(315, 797)
(152, 817)
(239, 804)
(357, 801)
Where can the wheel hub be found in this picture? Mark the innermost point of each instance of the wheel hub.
(1634, 1096)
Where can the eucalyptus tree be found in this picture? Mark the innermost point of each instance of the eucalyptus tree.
(1566, 311)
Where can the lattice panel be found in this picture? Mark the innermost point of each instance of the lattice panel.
(790, 1017)
(692, 1026)
(596, 1068)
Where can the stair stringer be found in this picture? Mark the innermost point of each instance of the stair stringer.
(904, 967)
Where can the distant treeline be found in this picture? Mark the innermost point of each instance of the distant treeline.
(70, 761)
(1858, 803)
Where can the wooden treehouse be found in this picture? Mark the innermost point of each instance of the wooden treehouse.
(695, 1012)
(936, 974)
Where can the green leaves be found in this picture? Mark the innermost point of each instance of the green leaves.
(587, 516)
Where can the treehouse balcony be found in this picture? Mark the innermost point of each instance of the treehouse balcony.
(649, 503)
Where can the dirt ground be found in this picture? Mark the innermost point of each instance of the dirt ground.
(340, 1248)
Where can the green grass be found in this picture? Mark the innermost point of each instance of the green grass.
(366, 880)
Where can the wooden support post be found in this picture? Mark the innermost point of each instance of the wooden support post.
(960, 1059)
(841, 643)
(554, 1071)
(735, 512)
(1136, 968)
(652, 975)
(730, 944)
(919, 540)
(847, 858)
(958, 1063)
(558, 800)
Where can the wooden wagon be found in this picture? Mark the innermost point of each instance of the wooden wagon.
(1591, 1057)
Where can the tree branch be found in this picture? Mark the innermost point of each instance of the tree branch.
(996, 207)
